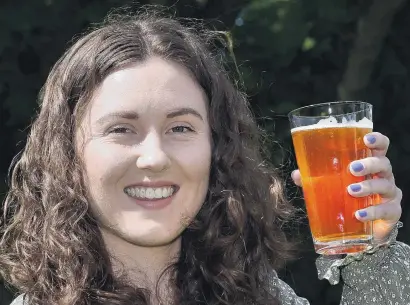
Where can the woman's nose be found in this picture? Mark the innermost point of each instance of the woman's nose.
(151, 155)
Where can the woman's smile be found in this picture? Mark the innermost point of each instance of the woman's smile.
(152, 195)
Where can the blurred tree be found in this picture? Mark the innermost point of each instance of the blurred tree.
(372, 29)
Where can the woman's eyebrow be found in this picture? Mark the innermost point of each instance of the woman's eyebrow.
(128, 115)
(133, 115)
(184, 111)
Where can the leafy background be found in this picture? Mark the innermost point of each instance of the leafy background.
(288, 54)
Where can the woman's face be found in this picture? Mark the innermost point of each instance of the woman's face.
(146, 147)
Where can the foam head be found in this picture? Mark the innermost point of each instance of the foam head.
(331, 122)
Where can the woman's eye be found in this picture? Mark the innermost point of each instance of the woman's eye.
(181, 129)
(120, 130)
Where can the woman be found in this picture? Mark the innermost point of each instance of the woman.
(142, 182)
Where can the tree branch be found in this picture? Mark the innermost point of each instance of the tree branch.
(372, 29)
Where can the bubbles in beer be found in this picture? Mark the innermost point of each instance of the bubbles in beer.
(332, 122)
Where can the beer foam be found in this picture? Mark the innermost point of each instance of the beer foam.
(331, 122)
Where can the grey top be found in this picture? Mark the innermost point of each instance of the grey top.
(380, 276)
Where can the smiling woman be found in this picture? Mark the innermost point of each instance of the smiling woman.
(142, 146)
(143, 182)
(164, 196)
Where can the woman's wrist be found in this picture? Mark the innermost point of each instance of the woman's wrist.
(388, 240)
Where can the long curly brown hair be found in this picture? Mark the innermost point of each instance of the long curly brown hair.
(51, 247)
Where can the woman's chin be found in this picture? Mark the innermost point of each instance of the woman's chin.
(153, 237)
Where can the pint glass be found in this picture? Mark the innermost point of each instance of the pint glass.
(327, 138)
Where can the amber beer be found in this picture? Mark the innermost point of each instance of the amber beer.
(323, 155)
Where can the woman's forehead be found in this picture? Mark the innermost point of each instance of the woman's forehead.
(155, 84)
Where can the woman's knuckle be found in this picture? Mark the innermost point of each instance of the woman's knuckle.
(384, 212)
(387, 141)
(399, 194)
(394, 189)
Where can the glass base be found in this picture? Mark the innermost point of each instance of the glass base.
(346, 246)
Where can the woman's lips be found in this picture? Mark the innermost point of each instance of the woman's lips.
(147, 197)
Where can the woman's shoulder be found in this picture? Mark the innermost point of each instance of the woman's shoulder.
(284, 292)
(19, 300)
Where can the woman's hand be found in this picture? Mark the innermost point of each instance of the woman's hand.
(387, 212)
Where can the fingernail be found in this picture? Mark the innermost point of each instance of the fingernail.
(371, 139)
(357, 167)
(362, 214)
(355, 187)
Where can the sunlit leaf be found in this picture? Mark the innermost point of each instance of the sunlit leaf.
(308, 44)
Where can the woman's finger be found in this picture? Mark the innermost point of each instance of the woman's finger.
(389, 211)
(380, 186)
(378, 143)
(372, 165)
(297, 179)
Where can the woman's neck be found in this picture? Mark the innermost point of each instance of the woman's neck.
(142, 266)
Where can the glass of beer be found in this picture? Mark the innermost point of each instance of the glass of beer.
(327, 138)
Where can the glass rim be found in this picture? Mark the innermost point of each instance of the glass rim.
(291, 113)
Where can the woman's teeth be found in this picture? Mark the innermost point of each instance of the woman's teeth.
(150, 192)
